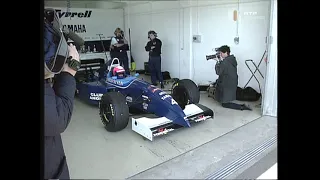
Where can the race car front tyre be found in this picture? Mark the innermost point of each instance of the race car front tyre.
(185, 92)
(114, 111)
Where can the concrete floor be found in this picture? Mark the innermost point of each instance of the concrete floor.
(271, 173)
(94, 153)
(209, 158)
(258, 168)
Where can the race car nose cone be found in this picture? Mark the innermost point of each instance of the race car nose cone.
(182, 122)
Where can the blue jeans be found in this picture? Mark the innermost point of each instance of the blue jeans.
(155, 69)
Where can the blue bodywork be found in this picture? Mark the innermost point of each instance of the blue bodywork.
(139, 95)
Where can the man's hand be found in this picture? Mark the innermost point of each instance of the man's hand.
(73, 52)
(152, 47)
(118, 45)
(75, 55)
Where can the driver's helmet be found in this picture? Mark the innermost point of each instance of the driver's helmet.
(119, 72)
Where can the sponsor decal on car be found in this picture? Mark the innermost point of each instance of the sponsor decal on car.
(129, 99)
(115, 81)
(165, 96)
(95, 96)
(145, 106)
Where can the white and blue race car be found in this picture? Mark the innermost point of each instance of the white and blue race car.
(118, 98)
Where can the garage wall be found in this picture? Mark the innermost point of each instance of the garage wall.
(270, 100)
(98, 21)
(142, 18)
(176, 22)
(85, 4)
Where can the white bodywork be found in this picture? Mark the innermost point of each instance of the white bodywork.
(143, 125)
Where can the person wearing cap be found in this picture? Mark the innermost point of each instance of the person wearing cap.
(154, 48)
(118, 49)
(227, 82)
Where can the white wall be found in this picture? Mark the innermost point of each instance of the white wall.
(101, 21)
(86, 4)
(140, 20)
(176, 22)
(270, 100)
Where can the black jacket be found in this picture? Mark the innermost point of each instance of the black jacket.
(58, 106)
(227, 82)
(157, 50)
(123, 48)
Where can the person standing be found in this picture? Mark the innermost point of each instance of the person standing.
(154, 48)
(118, 49)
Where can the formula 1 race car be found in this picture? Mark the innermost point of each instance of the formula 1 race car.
(118, 98)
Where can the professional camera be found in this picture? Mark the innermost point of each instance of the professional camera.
(55, 42)
(214, 56)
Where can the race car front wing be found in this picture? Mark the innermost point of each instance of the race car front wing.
(152, 127)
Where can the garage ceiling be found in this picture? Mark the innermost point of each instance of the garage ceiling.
(122, 3)
(134, 1)
(130, 1)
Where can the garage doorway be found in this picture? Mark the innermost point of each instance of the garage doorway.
(94, 153)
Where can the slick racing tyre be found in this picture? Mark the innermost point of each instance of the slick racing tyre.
(185, 92)
(114, 111)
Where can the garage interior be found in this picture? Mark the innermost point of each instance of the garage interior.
(209, 148)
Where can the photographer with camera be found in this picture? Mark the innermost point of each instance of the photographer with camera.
(154, 49)
(227, 82)
(119, 47)
(61, 61)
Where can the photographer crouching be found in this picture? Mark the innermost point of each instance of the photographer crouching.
(118, 49)
(61, 61)
(227, 82)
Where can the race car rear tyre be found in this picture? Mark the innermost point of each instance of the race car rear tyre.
(114, 111)
(185, 92)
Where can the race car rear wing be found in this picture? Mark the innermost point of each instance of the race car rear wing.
(150, 128)
(91, 63)
(88, 67)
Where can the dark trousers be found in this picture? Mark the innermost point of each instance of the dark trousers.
(155, 69)
(123, 58)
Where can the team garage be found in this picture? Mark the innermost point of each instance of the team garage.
(131, 126)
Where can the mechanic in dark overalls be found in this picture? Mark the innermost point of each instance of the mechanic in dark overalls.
(118, 49)
(154, 49)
